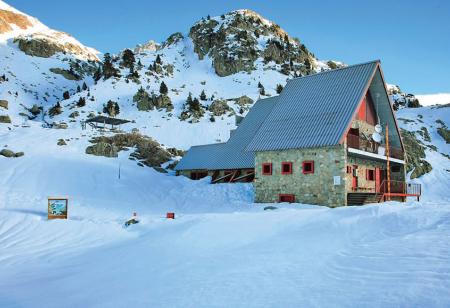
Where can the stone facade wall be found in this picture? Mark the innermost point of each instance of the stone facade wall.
(364, 127)
(317, 188)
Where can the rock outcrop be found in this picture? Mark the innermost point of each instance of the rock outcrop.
(4, 103)
(415, 155)
(219, 107)
(236, 40)
(148, 151)
(5, 119)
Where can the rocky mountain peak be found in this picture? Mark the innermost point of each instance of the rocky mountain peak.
(36, 39)
(238, 40)
(149, 46)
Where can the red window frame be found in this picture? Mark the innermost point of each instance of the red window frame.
(305, 163)
(270, 169)
(370, 175)
(290, 198)
(286, 163)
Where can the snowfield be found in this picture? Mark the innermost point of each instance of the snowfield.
(222, 250)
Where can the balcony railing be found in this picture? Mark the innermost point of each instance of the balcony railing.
(400, 187)
(359, 143)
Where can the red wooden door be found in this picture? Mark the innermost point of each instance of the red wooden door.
(377, 179)
(355, 178)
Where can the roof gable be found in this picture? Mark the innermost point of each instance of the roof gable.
(314, 110)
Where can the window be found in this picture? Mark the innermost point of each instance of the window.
(267, 169)
(286, 198)
(349, 169)
(286, 168)
(370, 175)
(308, 167)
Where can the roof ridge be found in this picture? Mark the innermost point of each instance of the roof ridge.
(336, 69)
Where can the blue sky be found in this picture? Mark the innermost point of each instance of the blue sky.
(411, 38)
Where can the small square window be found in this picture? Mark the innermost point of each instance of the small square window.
(267, 169)
(370, 175)
(308, 167)
(286, 198)
(286, 168)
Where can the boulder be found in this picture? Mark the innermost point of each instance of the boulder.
(162, 101)
(68, 74)
(244, 100)
(74, 114)
(61, 125)
(61, 142)
(7, 153)
(219, 107)
(35, 110)
(102, 149)
(5, 119)
(19, 154)
(4, 103)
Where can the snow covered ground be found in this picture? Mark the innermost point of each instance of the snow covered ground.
(222, 250)
(434, 99)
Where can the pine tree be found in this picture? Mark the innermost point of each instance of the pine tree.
(189, 99)
(163, 88)
(84, 87)
(111, 108)
(279, 88)
(78, 89)
(262, 91)
(81, 102)
(108, 68)
(195, 105)
(203, 95)
(66, 95)
(128, 58)
(139, 65)
(98, 74)
(260, 85)
(158, 59)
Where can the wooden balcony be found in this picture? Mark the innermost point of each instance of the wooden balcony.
(359, 143)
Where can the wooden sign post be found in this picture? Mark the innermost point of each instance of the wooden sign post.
(58, 208)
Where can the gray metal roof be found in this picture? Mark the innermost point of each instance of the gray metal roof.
(314, 110)
(232, 154)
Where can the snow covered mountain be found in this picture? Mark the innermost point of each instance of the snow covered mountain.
(37, 65)
(222, 249)
(182, 92)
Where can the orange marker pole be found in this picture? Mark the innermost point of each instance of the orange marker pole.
(388, 165)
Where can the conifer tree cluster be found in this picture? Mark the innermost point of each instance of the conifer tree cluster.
(111, 108)
(108, 69)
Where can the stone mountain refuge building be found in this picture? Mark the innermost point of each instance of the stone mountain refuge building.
(330, 139)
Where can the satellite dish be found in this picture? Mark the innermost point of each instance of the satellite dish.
(376, 137)
(378, 128)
